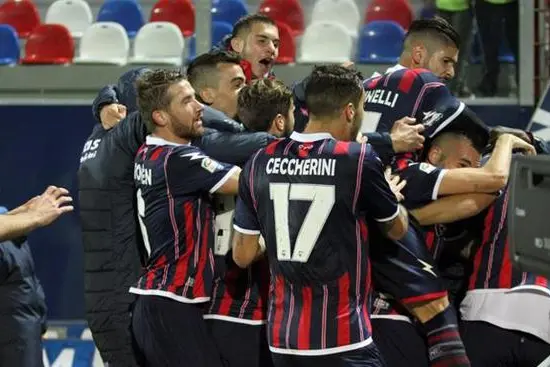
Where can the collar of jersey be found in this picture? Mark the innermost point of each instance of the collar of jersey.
(304, 138)
(155, 140)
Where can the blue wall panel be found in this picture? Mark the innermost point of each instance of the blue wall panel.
(41, 145)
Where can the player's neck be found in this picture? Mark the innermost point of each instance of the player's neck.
(406, 61)
(172, 138)
(324, 127)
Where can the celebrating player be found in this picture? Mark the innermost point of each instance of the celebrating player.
(309, 196)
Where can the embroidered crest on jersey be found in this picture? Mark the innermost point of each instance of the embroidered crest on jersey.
(431, 117)
(210, 165)
(426, 167)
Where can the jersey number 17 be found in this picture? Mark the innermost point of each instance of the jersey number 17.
(322, 198)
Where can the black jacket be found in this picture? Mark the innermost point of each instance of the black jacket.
(22, 306)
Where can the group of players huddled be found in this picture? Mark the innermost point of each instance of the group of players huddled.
(294, 238)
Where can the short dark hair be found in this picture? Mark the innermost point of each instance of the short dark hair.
(330, 88)
(435, 28)
(459, 133)
(152, 92)
(261, 101)
(201, 72)
(245, 23)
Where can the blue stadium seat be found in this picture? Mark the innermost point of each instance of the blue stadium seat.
(380, 42)
(219, 31)
(125, 12)
(228, 10)
(9, 45)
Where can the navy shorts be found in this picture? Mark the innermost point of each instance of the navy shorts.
(240, 345)
(401, 343)
(506, 347)
(172, 333)
(404, 269)
(368, 356)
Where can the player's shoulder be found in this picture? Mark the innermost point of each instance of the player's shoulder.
(418, 168)
(416, 76)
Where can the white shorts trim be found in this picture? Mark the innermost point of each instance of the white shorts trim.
(166, 294)
(237, 320)
(322, 352)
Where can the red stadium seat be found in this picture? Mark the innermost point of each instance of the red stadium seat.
(21, 15)
(287, 48)
(179, 12)
(289, 12)
(399, 11)
(49, 44)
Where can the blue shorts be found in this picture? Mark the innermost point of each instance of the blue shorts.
(172, 333)
(368, 356)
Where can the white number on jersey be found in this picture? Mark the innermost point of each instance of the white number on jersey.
(224, 224)
(322, 199)
(370, 121)
(141, 217)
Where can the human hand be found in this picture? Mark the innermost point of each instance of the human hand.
(406, 135)
(111, 114)
(396, 184)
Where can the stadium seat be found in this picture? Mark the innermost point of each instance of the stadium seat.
(380, 42)
(49, 44)
(229, 11)
(76, 15)
(9, 45)
(104, 43)
(326, 42)
(148, 49)
(285, 11)
(287, 48)
(21, 15)
(344, 12)
(399, 11)
(219, 31)
(179, 12)
(125, 12)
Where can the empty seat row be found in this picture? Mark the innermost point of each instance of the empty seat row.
(102, 43)
(76, 15)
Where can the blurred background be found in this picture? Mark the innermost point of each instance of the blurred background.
(56, 55)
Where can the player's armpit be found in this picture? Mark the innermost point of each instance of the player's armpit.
(246, 249)
(231, 184)
(397, 227)
(452, 208)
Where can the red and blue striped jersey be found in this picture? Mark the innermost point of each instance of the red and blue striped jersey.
(174, 185)
(492, 265)
(309, 197)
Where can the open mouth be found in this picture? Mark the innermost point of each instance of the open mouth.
(267, 62)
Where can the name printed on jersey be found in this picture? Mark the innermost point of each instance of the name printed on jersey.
(143, 175)
(381, 96)
(301, 167)
(90, 150)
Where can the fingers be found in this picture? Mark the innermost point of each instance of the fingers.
(408, 120)
(401, 185)
(63, 200)
(65, 209)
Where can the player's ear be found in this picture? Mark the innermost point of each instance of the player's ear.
(160, 117)
(418, 54)
(278, 123)
(434, 154)
(350, 112)
(207, 95)
(237, 44)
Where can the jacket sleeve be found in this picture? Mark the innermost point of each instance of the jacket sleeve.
(217, 120)
(130, 133)
(382, 144)
(107, 95)
(233, 148)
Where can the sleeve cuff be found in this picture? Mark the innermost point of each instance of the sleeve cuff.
(435, 192)
(252, 232)
(387, 219)
(224, 179)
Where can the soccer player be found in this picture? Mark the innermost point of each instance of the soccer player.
(237, 312)
(38, 212)
(309, 196)
(255, 38)
(217, 77)
(450, 168)
(503, 304)
(174, 181)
